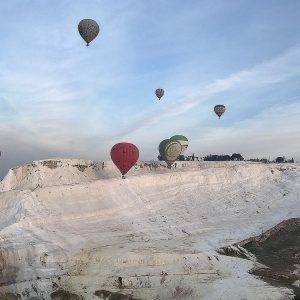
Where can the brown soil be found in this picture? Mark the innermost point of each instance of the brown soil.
(80, 167)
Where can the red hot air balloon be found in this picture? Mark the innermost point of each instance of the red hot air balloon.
(124, 156)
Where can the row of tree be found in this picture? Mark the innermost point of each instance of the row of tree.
(210, 157)
(215, 157)
(234, 157)
(279, 159)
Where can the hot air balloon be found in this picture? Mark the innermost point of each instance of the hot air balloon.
(184, 142)
(169, 150)
(219, 110)
(88, 29)
(159, 93)
(124, 156)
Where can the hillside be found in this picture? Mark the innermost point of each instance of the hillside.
(72, 225)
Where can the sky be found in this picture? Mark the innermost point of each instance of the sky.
(61, 99)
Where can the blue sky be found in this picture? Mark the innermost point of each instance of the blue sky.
(59, 98)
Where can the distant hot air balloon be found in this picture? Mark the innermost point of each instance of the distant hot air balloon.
(159, 93)
(169, 150)
(88, 29)
(219, 110)
(124, 156)
(184, 142)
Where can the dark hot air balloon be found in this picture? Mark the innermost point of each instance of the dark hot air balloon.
(219, 110)
(124, 156)
(159, 93)
(88, 29)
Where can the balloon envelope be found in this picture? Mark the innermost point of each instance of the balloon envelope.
(159, 93)
(219, 110)
(88, 29)
(124, 156)
(169, 150)
(184, 142)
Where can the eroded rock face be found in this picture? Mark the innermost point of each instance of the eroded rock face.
(279, 250)
(51, 164)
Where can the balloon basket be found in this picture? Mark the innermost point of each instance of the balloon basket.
(123, 177)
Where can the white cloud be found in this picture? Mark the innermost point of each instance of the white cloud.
(271, 72)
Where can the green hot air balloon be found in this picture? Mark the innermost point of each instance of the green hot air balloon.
(169, 150)
(184, 142)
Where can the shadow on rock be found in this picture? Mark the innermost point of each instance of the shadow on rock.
(65, 295)
(107, 295)
(8, 296)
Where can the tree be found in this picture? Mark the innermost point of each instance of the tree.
(236, 156)
(160, 157)
(279, 159)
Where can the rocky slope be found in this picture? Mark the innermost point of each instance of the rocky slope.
(72, 227)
